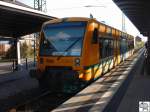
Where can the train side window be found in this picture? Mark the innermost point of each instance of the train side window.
(95, 36)
(106, 49)
(103, 49)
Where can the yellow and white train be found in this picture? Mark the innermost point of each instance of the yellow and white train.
(74, 50)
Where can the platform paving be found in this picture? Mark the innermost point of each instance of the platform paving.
(138, 90)
(103, 95)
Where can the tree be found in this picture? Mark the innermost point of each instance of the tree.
(26, 50)
(11, 53)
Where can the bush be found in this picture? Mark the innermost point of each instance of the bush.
(26, 51)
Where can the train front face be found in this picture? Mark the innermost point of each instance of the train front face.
(61, 50)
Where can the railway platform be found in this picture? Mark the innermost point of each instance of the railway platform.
(138, 91)
(120, 90)
(8, 74)
(14, 83)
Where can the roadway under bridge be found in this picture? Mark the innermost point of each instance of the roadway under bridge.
(17, 21)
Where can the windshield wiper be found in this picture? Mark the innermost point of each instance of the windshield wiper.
(68, 48)
(72, 44)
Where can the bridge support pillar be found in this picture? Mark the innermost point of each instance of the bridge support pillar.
(17, 52)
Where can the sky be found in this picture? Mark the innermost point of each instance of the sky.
(103, 10)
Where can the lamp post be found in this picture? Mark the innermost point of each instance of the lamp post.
(123, 22)
(95, 6)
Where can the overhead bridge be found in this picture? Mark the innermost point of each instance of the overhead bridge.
(16, 21)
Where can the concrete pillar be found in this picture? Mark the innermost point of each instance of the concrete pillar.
(17, 52)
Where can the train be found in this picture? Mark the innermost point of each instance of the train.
(77, 50)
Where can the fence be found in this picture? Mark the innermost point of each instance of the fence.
(10, 64)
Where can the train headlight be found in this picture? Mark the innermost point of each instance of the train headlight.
(77, 61)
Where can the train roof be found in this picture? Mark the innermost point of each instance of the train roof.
(83, 19)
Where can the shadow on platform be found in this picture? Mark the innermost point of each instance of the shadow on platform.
(138, 90)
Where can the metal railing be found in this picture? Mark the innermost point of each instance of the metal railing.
(25, 64)
(12, 64)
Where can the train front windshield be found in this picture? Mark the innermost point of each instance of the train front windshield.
(63, 39)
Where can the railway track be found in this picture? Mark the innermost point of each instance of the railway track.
(43, 103)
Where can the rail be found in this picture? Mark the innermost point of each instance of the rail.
(41, 102)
